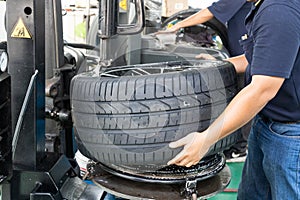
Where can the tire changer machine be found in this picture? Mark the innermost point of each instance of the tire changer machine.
(33, 164)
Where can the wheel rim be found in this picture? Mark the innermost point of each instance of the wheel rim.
(206, 168)
(161, 68)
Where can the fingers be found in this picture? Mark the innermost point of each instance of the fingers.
(182, 160)
(191, 164)
(171, 30)
(177, 159)
(164, 32)
(190, 154)
(180, 142)
(205, 56)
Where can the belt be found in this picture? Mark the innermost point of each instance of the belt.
(266, 119)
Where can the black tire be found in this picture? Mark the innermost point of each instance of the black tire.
(5, 127)
(214, 24)
(4, 103)
(127, 121)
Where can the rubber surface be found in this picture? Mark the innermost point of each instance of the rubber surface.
(129, 120)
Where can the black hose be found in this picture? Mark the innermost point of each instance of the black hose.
(82, 46)
(3, 46)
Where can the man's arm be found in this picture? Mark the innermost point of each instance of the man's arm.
(200, 17)
(224, 10)
(248, 102)
(240, 63)
(197, 18)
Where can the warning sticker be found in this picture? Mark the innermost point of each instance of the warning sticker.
(20, 30)
(123, 4)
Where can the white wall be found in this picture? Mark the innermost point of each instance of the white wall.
(74, 18)
(201, 3)
(2, 28)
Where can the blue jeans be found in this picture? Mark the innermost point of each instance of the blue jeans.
(272, 167)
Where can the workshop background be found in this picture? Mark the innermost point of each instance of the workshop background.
(76, 19)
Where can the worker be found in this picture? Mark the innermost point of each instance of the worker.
(232, 13)
(272, 97)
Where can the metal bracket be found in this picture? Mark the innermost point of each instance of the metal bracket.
(137, 190)
(190, 190)
(92, 169)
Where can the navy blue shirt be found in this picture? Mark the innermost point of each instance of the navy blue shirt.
(232, 12)
(272, 49)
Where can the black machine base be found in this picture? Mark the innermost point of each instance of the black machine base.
(205, 169)
(57, 183)
(135, 190)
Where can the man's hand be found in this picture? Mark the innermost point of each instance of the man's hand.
(172, 29)
(205, 56)
(195, 147)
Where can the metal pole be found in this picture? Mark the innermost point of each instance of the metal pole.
(87, 20)
(108, 23)
(26, 50)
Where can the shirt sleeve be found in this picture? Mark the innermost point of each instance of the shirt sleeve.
(276, 41)
(224, 10)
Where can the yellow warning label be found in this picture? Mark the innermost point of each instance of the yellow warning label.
(123, 4)
(20, 30)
